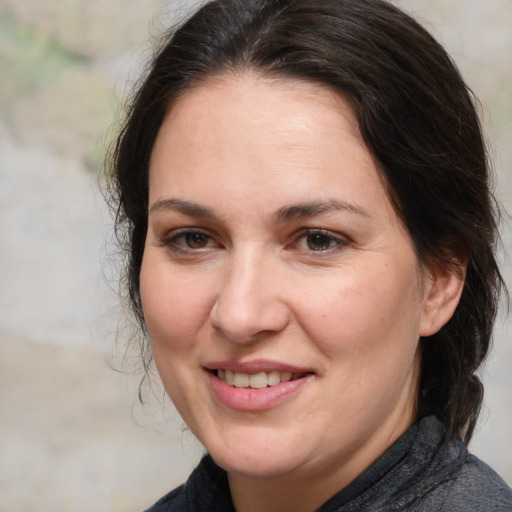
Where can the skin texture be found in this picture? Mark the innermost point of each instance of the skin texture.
(256, 167)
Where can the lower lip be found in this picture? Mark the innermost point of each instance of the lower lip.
(249, 399)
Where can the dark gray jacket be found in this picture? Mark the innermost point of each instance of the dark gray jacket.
(422, 472)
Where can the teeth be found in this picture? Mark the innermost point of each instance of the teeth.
(241, 380)
(273, 378)
(286, 376)
(256, 380)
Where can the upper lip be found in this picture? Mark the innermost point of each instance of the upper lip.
(255, 366)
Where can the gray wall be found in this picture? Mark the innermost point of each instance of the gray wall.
(72, 436)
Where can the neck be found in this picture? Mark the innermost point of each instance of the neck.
(299, 494)
(302, 490)
(308, 489)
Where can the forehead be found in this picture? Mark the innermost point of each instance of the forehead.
(293, 114)
(255, 84)
(260, 140)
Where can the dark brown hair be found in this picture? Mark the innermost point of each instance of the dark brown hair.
(416, 116)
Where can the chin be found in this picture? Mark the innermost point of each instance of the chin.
(255, 467)
(264, 459)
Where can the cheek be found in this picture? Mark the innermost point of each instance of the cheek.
(175, 306)
(367, 310)
(367, 328)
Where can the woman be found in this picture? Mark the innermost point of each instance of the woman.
(304, 191)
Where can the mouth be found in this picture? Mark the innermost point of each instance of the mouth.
(257, 380)
(258, 385)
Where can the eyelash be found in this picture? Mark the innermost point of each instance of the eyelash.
(172, 241)
(339, 243)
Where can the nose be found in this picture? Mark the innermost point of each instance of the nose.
(250, 302)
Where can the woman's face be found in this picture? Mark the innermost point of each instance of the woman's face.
(281, 292)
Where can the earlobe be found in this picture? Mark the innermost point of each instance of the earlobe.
(443, 290)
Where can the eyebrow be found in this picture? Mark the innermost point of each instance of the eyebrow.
(296, 211)
(310, 209)
(185, 207)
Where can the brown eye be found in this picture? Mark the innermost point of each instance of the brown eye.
(196, 240)
(320, 242)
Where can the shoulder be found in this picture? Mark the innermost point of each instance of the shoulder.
(474, 488)
(478, 488)
(175, 501)
(207, 488)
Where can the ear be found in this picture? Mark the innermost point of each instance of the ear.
(443, 288)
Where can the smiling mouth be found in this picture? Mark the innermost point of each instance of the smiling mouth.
(258, 380)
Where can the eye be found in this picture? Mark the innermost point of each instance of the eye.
(189, 240)
(196, 240)
(318, 241)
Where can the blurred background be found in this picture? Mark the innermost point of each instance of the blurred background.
(72, 434)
